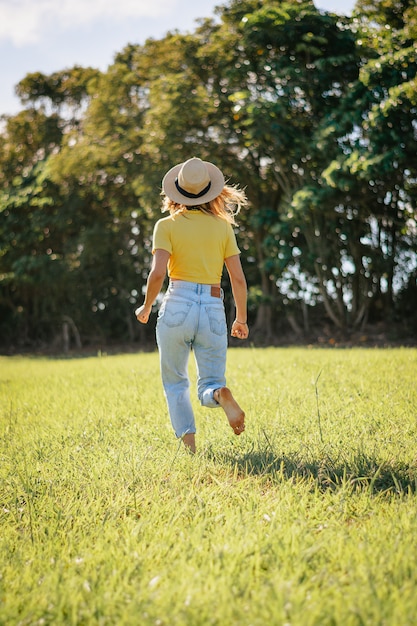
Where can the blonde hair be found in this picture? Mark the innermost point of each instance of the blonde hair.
(226, 206)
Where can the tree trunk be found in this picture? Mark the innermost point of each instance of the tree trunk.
(327, 305)
(67, 324)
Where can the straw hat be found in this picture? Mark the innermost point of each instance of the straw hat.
(193, 182)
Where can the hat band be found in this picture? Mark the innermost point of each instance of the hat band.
(187, 194)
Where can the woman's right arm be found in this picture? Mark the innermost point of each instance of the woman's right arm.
(154, 284)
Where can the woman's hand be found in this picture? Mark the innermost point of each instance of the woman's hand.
(143, 313)
(240, 330)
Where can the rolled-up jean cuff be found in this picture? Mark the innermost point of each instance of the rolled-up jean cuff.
(207, 398)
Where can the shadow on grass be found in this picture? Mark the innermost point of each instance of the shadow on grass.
(324, 469)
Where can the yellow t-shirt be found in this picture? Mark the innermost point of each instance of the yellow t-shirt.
(198, 244)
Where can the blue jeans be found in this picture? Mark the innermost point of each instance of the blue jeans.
(190, 318)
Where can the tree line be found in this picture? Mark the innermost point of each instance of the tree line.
(312, 112)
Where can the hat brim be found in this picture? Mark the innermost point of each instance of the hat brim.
(216, 186)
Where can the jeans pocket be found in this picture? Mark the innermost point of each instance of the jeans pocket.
(174, 312)
(217, 319)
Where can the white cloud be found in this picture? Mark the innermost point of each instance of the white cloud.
(26, 21)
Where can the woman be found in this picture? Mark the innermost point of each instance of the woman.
(194, 243)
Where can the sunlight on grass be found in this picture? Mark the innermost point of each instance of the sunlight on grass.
(308, 518)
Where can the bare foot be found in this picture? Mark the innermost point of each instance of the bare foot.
(234, 413)
(189, 442)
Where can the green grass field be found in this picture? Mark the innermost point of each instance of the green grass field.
(307, 519)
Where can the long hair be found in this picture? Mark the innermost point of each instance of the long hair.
(226, 206)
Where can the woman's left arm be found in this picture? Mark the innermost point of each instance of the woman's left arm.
(239, 288)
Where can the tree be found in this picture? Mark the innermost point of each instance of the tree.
(29, 207)
(312, 112)
(289, 69)
(378, 153)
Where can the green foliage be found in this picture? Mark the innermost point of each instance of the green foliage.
(312, 112)
(67, 87)
(307, 518)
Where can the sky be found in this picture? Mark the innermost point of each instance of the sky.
(51, 35)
